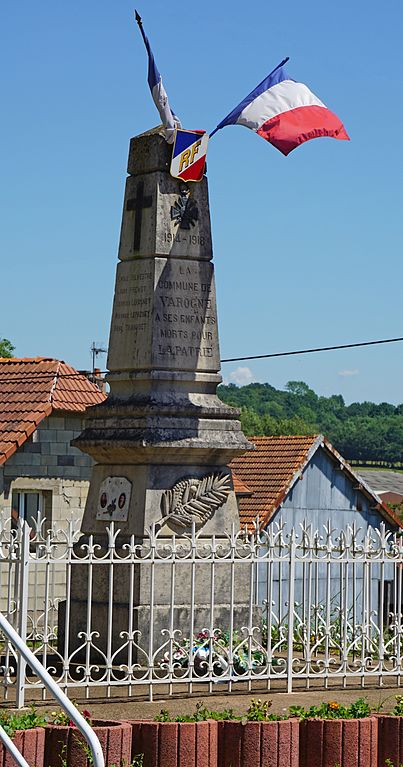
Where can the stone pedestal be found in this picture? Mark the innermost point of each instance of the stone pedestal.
(162, 440)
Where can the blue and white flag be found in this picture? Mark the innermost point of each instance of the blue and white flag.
(168, 118)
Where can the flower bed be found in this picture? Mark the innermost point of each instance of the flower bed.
(66, 747)
(332, 734)
(327, 735)
(27, 732)
(209, 738)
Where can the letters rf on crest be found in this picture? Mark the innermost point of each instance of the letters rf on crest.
(189, 154)
(187, 157)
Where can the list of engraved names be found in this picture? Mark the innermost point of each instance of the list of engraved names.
(132, 315)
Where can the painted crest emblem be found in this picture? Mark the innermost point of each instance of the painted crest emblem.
(114, 499)
(189, 154)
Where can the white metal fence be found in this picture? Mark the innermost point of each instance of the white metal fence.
(274, 609)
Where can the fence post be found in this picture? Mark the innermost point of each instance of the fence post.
(291, 597)
(23, 610)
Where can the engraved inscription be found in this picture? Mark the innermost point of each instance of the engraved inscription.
(164, 315)
(185, 320)
(191, 239)
(130, 337)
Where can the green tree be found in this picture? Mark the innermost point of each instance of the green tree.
(251, 422)
(299, 388)
(363, 431)
(6, 348)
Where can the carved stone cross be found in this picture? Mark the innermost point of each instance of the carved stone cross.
(138, 204)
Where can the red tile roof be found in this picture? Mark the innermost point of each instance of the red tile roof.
(31, 389)
(268, 471)
(271, 469)
(240, 487)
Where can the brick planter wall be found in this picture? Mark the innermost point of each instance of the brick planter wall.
(30, 743)
(175, 744)
(67, 743)
(331, 742)
(390, 740)
(258, 744)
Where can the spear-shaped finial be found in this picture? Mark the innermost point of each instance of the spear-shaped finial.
(140, 23)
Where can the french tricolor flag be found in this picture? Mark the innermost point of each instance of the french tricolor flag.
(168, 118)
(285, 113)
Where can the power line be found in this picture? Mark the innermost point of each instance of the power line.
(47, 375)
(311, 351)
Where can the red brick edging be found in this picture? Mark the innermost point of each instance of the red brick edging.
(30, 743)
(216, 744)
(173, 744)
(330, 742)
(258, 744)
(390, 739)
(67, 743)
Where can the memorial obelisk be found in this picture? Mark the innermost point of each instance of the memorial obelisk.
(162, 440)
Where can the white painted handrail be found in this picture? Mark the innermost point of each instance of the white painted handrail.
(53, 687)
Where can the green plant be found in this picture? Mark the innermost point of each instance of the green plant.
(389, 763)
(87, 751)
(63, 719)
(63, 754)
(359, 709)
(398, 709)
(12, 721)
(200, 714)
(379, 706)
(259, 711)
(332, 710)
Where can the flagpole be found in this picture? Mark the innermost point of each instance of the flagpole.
(265, 78)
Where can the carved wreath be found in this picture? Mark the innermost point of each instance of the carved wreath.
(194, 500)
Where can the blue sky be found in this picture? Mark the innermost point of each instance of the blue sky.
(307, 249)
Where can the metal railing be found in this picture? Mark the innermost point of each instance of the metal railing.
(26, 656)
(279, 609)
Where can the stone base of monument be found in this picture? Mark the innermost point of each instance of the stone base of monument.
(144, 646)
(151, 601)
(155, 496)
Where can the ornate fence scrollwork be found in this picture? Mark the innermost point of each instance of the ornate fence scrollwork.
(345, 620)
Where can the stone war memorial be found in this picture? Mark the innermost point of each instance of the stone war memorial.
(162, 440)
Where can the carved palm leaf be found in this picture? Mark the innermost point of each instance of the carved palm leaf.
(195, 500)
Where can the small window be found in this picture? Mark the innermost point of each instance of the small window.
(33, 507)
